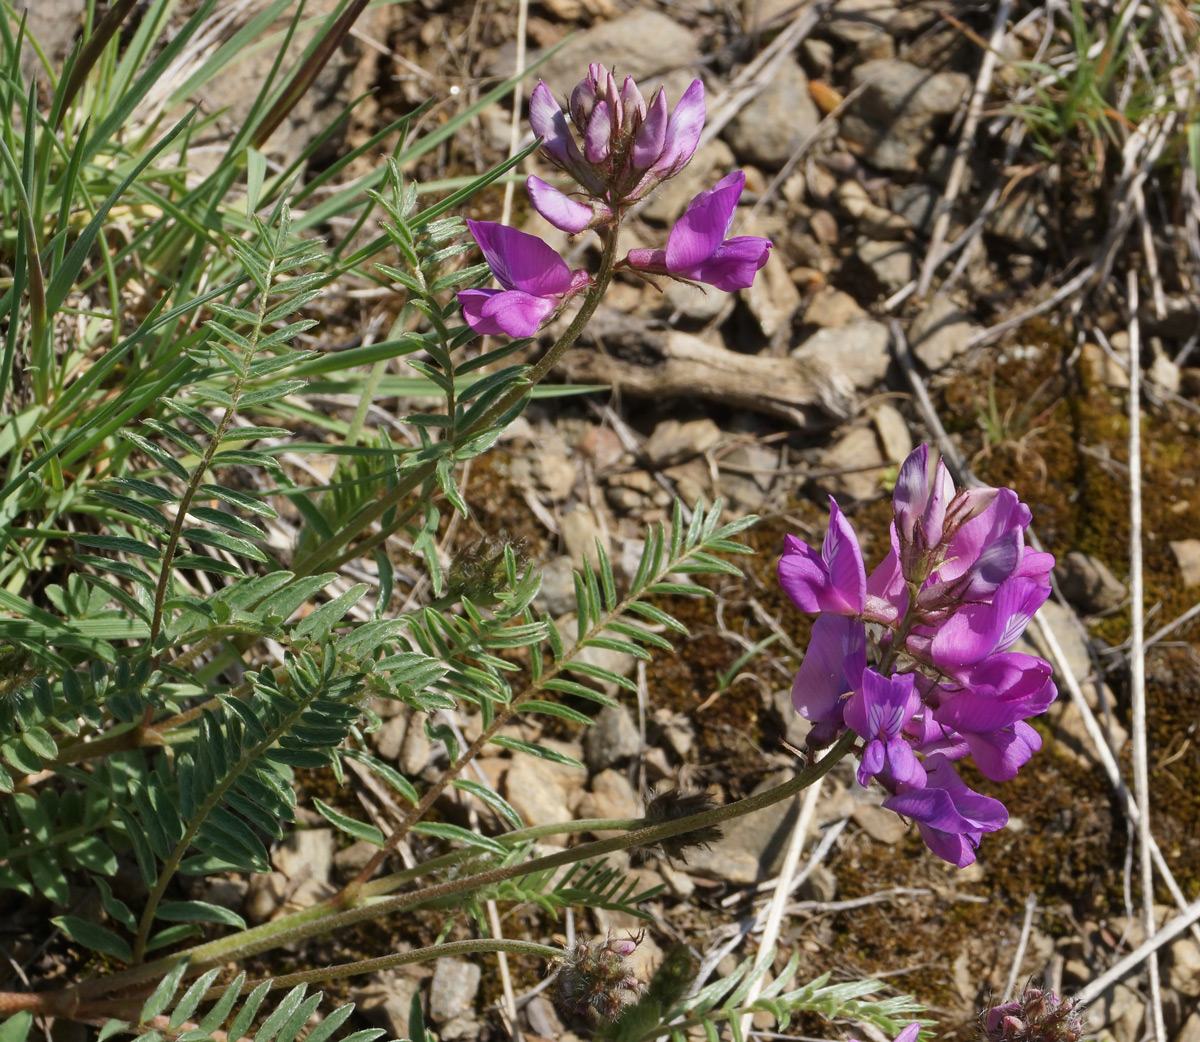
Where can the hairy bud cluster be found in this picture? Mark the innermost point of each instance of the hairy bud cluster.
(672, 805)
(1037, 1016)
(595, 981)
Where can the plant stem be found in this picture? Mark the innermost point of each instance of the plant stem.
(314, 921)
(335, 552)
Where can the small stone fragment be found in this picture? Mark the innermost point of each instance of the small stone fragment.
(389, 739)
(772, 298)
(1187, 558)
(939, 334)
(855, 464)
(580, 531)
(1087, 583)
(533, 787)
(775, 122)
(881, 825)
(892, 120)
(386, 1001)
(917, 204)
(417, 748)
(354, 858)
(893, 432)
(611, 796)
(892, 262)
(556, 596)
(613, 737)
(832, 309)
(673, 442)
(858, 350)
(452, 996)
(306, 851)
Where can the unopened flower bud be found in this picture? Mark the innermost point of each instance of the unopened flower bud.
(673, 805)
(1037, 1016)
(595, 981)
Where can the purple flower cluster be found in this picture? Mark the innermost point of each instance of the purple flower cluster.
(626, 147)
(914, 658)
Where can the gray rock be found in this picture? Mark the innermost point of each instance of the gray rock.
(1187, 558)
(857, 21)
(883, 826)
(892, 262)
(696, 302)
(1185, 967)
(452, 996)
(580, 530)
(917, 204)
(619, 662)
(751, 847)
(1087, 582)
(858, 350)
(821, 885)
(389, 739)
(542, 792)
(894, 435)
(939, 334)
(832, 309)
(856, 465)
(643, 44)
(795, 727)
(264, 896)
(543, 1019)
(349, 72)
(54, 24)
(417, 749)
(228, 893)
(772, 298)
(386, 1001)
(747, 490)
(892, 121)
(673, 442)
(353, 859)
(775, 123)
(307, 853)
(555, 473)
(556, 596)
(613, 737)
(818, 57)
(611, 796)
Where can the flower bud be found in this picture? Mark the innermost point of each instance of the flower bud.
(1037, 1016)
(595, 981)
(673, 805)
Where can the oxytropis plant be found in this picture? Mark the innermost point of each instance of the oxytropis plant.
(915, 658)
(628, 148)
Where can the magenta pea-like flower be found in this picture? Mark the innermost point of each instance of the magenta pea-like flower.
(535, 280)
(916, 657)
(697, 247)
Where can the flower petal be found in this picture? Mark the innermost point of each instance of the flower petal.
(548, 122)
(597, 139)
(705, 223)
(683, 131)
(560, 210)
(471, 301)
(517, 314)
(832, 666)
(843, 556)
(733, 264)
(652, 134)
(521, 261)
